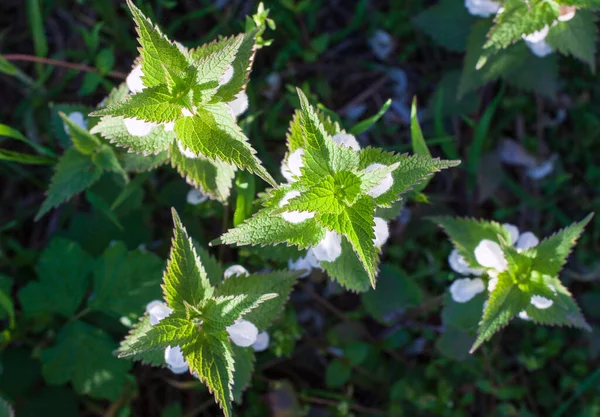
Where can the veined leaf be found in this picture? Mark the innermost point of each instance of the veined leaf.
(113, 129)
(220, 312)
(577, 37)
(171, 331)
(139, 330)
(83, 141)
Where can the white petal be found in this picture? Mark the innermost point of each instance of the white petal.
(273, 81)
(459, 264)
(242, 333)
(290, 168)
(169, 126)
(137, 127)
(538, 35)
(312, 259)
(541, 302)
(234, 270)
(542, 170)
(381, 44)
(185, 151)
(346, 139)
(195, 197)
(384, 185)
(134, 80)
(492, 284)
(539, 49)
(77, 118)
(301, 264)
(527, 240)
(175, 360)
(262, 342)
(157, 310)
(329, 248)
(226, 77)
(483, 8)
(490, 255)
(463, 290)
(382, 232)
(187, 112)
(296, 216)
(523, 316)
(513, 231)
(240, 104)
(566, 13)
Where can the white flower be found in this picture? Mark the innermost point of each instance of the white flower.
(542, 170)
(526, 240)
(273, 81)
(329, 248)
(536, 42)
(459, 264)
(382, 232)
(77, 118)
(384, 185)
(195, 197)
(566, 13)
(226, 77)
(290, 168)
(483, 8)
(347, 140)
(381, 44)
(134, 80)
(492, 283)
(242, 333)
(235, 270)
(185, 151)
(464, 289)
(307, 263)
(169, 126)
(137, 127)
(239, 104)
(294, 216)
(541, 302)
(187, 112)
(175, 360)
(513, 231)
(157, 310)
(524, 316)
(489, 254)
(262, 342)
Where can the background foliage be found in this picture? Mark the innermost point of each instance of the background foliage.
(399, 350)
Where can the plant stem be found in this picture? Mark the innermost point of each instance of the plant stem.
(57, 63)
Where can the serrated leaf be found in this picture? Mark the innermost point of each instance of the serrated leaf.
(73, 173)
(466, 234)
(106, 159)
(80, 351)
(295, 134)
(157, 51)
(279, 282)
(552, 252)
(59, 131)
(213, 269)
(576, 37)
(214, 178)
(117, 94)
(241, 65)
(124, 282)
(63, 271)
(213, 133)
(139, 330)
(220, 312)
(244, 367)
(170, 331)
(83, 141)
(154, 104)
(185, 280)
(505, 302)
(135, 162)
(348, 270)
(324, 196)
(211, 358)
(155, 142)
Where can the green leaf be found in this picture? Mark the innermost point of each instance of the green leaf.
(63, 271)
(505, 302)
(124, 282)
(244, 367)
(83, 141)
(416, 134)
(279, 282)
(366, 124)
(552, 252)
(448, 23)
(24, 158)
(157, 52)
(6, 409)
(210, 356)
(211, 177)
(337, 374)
(213, 269)
(245, 187)
(348, 270)
(463, 316)
(185, 280)
(135, 162)
(171, 331)
(155, 104)
(116, 95)
(80, 351)
(577, 37)
(325, 196)
(213, 133)
(73, 174)
(106, 159)
(242, 65)
(113, 129)
(138, 331)
(466, 234)
(222, 311)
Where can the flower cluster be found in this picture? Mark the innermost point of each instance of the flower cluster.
(536, 41)
(490, 256)
(330, 247)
